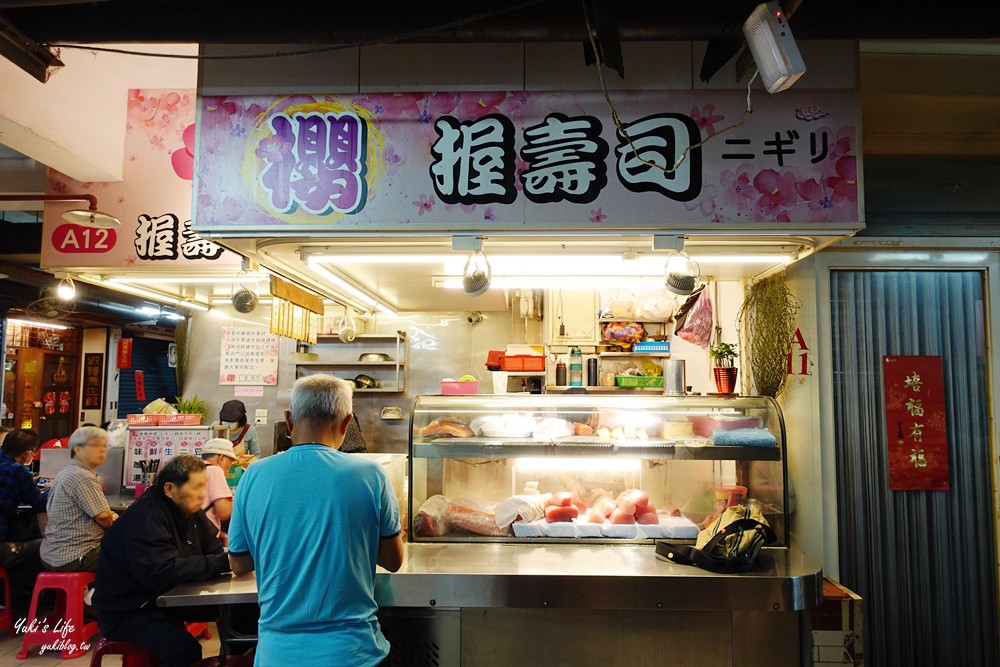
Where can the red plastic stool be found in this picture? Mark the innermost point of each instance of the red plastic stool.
(6, 616)
(132, 655)
(199, 630)
(69, 587)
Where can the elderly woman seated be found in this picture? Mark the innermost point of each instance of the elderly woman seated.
(78, 511)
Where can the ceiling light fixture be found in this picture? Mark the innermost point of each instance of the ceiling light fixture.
(557, 282)
(342, 285)
(89, 217)
(66, 289)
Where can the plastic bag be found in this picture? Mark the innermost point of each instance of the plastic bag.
(623, 334)
(656, 308)
(697, 324)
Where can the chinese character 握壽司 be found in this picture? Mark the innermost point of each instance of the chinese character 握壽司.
(917, 458)
(917, 432)
(661, 140)
(915, 407)
(913, 382)
(779, 145)
(474, 160)
(565, 159)
(195, 247)
(156, 237)
(326, 172)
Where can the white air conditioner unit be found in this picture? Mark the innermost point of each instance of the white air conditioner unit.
(773, 47)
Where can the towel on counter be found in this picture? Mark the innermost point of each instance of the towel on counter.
(527, 508)
(743, 437)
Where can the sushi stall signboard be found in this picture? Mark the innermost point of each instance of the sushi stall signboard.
(917, 423)
(515, 161)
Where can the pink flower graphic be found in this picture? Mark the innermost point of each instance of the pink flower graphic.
(471, 107)
(737, 189)
(814, 193)
(489, 214)
(705, 204)
(392, 160)
(845, 183)
(438, 104)
(424, 204)
(777, 191)
(217, 114)
(274, 148)
(598, 215)
(706, 118)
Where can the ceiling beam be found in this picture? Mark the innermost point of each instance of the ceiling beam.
(24, 52)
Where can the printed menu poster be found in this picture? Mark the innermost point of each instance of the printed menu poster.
(157, 445)
(249, 357)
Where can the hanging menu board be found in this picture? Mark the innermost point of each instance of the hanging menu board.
(249, 357)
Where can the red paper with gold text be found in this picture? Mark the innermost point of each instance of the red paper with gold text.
(916, 422)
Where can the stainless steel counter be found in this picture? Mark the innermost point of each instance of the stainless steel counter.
(558, 576)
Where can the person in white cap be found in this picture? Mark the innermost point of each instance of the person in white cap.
(219, 456)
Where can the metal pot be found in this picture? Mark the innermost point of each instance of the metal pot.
(374, 356)
(365, 382)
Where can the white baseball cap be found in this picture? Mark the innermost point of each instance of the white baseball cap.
(219, 446)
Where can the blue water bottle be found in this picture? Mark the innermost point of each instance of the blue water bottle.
(575, 367)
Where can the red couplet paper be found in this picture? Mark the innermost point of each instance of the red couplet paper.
(124, 353)
(140, 386)
(916, 422)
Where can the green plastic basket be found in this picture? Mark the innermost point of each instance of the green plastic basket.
(636, 381)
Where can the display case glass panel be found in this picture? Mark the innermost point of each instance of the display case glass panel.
(570, 467)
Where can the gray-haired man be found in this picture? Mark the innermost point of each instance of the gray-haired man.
(78, 511)
(316, 522)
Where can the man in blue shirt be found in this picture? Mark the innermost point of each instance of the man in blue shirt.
(20, 539)
(315, 521)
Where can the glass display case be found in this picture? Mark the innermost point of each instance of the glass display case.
(612, 468)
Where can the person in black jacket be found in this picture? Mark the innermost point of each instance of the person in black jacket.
(162, 540)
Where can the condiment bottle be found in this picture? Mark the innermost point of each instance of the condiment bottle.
(575, 367)
(561, 373)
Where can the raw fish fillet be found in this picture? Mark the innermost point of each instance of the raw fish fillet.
(475, 516)
(619, 516)
(431, 519)
(561, 514)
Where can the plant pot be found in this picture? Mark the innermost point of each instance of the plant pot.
(725, 380)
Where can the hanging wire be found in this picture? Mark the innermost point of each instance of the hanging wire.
(621, 128)
(413, 34)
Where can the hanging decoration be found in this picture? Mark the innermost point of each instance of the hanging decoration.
(766, 323)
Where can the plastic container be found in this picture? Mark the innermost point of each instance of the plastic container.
(460, 388)
(651, 346)
(637, 381)
(143, 420)
(524, 363)
(179, 420)
(494, 360)
(575, 367)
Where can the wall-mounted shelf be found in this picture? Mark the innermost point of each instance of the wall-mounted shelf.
(332, 352)
(349, 364)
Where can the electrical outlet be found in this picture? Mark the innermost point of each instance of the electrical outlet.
(260, 416)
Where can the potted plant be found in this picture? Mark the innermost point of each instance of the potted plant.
(724, 355)
(190, 412)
